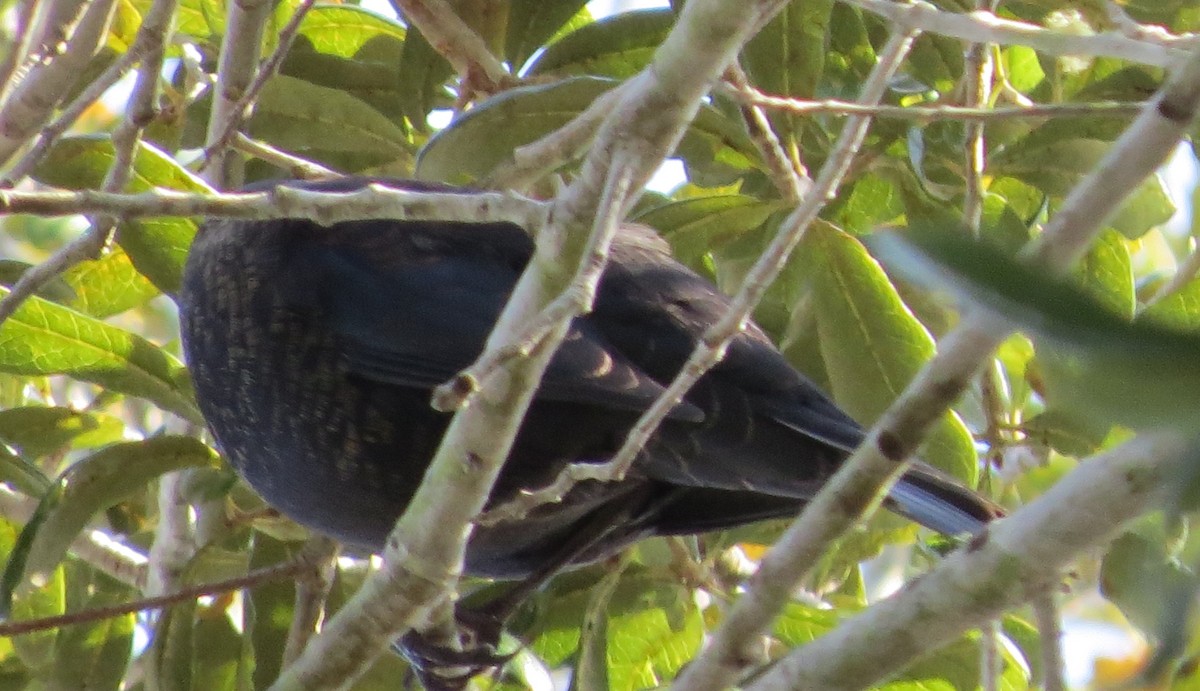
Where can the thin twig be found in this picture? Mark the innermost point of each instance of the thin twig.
(1046, 615)
(312, 589)
(296, 167)
(257, 577)
(977, 82)
(790, 182)
(990, 665)
(934, 113)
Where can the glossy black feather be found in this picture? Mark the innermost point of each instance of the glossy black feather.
(314, 351)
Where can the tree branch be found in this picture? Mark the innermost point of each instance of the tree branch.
(985, 27)
(53, 68)
(750, 95)
(239, 56)
(458, 43)
(371, 201)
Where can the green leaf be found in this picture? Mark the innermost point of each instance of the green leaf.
(618, 46)
(1150, 206)
(695, 227)
(799, 624)
(484, 137)
(1067, 433)
(1107, 273)
(349, 49)
(42, 338)
(344, 30)
(87, 487)
(865, 204)
(423, 73)
(873, 345)
(94, 654)
(156, 246)
(56, 289)
(219, 660)
(788, 58)
(200, 19)
(1139, 374)
(1149, 585)
(1179, 310)
(108, 285)
(1054, 165)
(532, 22)
(168, 662)
(653, 630)
(326, 125)
(39, 430)
(47, 598)
(1028, 641)
(21, 475)
(936, 62)
(270, 606)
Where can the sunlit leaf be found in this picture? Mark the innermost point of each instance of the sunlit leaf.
(43, 338)
(872, 344)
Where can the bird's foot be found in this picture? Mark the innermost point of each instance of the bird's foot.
(447, 665)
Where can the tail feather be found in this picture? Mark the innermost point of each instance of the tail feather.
(924, 495)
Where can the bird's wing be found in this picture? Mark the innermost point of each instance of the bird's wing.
(655, 311)
(418, 320)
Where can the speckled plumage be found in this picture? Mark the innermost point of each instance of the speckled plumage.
(314, 351)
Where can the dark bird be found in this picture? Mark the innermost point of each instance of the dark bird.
(315, 349)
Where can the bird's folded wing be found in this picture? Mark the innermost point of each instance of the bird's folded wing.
(420, 324)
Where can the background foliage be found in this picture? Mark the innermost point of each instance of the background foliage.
(96, 407)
